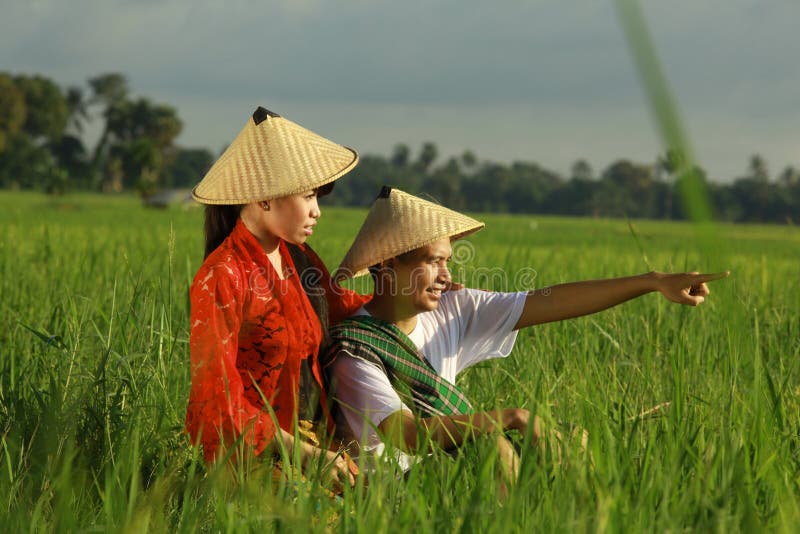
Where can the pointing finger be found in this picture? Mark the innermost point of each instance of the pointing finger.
(702, 278)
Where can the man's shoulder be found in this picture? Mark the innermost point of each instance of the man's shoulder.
(456, 301)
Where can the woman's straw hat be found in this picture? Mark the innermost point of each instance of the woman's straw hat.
(398, 223)
(272, 157)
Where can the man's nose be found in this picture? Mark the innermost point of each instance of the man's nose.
(444, 274)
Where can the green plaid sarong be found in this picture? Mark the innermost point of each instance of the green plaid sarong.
(415, 380)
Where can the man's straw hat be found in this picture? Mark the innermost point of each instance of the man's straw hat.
(398, 223)
(273, 157)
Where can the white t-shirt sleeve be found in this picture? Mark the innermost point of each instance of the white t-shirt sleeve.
(365, 396)
(487, 321)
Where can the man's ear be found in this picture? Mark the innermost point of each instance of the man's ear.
(387, 268)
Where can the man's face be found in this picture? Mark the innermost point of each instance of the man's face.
(422, 275)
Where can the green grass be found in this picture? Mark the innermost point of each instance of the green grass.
(94, 380)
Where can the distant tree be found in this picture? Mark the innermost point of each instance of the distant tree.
(187, 167)
(132, 120)
(363, 183)
(108, 88)
(790, 177)
(141, 161)
(113, 181)
(575, 197)
(140, 136)
(400, 156)
(25, 164)
(68, 149)
(33, 116)
(627, 189)
(758, 168)
(110, 92)
(752, 196)
(46, 111)
(71, 157)
(444, 185)
(57, 182)
(12, 110)
(427, 156)
(529, 187)
(581, 170)
(78, 109)
(487, 189)
(469, 161)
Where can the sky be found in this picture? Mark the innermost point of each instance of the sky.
(547, 81)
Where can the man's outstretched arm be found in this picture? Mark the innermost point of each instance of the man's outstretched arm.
(574, 299)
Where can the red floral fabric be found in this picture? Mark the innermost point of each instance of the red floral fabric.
(249, 333)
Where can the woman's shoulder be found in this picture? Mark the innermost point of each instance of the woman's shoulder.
(221, 265)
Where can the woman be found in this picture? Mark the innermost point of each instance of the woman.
(260, 302)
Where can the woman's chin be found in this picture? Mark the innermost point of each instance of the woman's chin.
(295, 240)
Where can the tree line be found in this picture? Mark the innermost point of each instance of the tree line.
(42, 142)
(623, 189)
(42, 147)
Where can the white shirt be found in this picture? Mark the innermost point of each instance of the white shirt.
(468, 326)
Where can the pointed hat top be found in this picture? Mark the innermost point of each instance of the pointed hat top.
(398, 223)
(273, 157)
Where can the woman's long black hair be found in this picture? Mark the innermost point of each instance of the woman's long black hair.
(220, 221)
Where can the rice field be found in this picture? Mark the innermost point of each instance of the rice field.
(94, 377)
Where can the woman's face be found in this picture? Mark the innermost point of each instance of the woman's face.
(292, 218)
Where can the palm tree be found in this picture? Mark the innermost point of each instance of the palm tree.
(427, 156)
(758, 168)
(400, 156)
(108, 90)
(78, 109)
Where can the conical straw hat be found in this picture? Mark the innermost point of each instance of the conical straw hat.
(398, 223)
(272, 157)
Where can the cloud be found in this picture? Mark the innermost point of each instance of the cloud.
(563, 64)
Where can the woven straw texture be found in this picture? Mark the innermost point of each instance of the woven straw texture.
(397, 224)
(273, 159)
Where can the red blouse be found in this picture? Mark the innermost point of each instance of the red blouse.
(249, 332)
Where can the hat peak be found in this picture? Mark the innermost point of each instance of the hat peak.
(261, 114)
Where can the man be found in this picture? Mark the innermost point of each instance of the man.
(393, 365)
